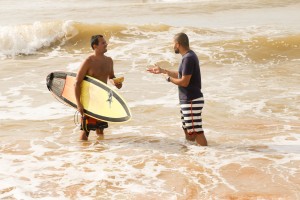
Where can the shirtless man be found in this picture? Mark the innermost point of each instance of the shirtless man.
(98, 66)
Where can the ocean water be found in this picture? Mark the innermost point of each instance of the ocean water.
(249, 54)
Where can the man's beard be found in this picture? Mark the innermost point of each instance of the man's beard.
(176, 51)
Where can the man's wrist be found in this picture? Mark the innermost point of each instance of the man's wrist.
(164, 71)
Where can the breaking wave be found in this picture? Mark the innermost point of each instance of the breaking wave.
(217, 46)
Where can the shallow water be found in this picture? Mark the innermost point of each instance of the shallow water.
(250, 76)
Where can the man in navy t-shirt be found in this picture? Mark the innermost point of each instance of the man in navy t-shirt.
(188, 79)
(190, 66)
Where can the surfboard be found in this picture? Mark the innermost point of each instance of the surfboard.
(98, 99)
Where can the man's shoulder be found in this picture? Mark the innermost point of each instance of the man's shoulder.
(93, 57)
(191, 53)
(109, 58)
(190, 56)
(90, 58)
(108, 61)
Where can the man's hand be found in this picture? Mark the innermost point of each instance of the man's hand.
(155, 70)
(117, 82)
(118, 85)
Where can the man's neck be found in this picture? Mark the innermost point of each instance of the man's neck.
(184, 51)
(99, 54)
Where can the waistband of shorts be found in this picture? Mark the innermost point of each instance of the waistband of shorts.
(200, 99)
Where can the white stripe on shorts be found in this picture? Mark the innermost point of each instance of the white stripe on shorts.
(191, 115)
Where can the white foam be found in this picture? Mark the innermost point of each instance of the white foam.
(27, 39)
(73, 66)
(22, 111)
(127, 129)
(20, 106)
(287, 144)
(238, 107)
(169, 100)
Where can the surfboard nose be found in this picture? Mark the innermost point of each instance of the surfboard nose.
(49, 79)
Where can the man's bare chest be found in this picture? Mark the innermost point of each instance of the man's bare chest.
(99, 70)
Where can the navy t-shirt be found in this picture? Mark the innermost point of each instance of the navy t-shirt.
(190, 66)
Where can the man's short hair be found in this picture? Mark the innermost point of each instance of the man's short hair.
(182, 39)
(94, 40)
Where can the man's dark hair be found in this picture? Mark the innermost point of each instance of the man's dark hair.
(94, 40)
(182, 39)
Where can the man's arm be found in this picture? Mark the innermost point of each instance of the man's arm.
(157, 70)
(173, 74)
(112, 75)
(79, 78)
(183, 81)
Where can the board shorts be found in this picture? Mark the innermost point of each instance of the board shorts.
(191, 115)
(89, 124)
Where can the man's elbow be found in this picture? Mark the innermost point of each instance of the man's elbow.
(77, 84)
(184, 84)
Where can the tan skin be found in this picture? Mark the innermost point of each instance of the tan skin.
(98, 66)
(184, 82)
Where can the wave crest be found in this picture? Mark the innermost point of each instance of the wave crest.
(28, 39)
(144, 41)
(36, 37)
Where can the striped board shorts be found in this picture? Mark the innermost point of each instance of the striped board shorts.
(191, 115)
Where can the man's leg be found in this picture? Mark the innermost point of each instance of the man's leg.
(201, 139)
(100, 131)
(192, 120)
(83, 135)
(189, 136)
(100, 128)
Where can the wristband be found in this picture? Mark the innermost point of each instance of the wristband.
(169, 79)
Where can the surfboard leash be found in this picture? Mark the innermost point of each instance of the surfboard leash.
(76, 118)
